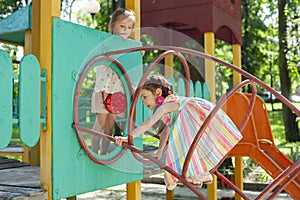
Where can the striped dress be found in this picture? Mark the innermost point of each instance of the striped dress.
(217, 140)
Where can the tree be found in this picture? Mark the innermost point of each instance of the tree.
(289, 118)
(269, 49)
(254, 52)
(293, 38)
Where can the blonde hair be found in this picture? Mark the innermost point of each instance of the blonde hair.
(121, 14)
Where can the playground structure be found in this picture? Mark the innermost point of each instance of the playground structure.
(253, 122)
(64, 150)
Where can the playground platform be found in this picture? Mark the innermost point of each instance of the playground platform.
(153, 185)
(19, 180)
(152, 191)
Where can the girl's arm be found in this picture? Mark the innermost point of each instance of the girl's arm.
(159, 113)
(163, 109)
(164, 136)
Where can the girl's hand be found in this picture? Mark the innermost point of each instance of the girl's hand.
(157, 154)
(120, 139)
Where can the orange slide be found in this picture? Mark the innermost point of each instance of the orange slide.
(258, 142)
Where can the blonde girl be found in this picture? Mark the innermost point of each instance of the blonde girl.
(107, 82)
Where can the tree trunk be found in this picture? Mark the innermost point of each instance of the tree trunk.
(289, 118)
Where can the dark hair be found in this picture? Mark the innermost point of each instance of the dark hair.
(157, 81)
(121, 14)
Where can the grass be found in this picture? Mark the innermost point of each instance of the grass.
(277, 127)
(150, 140)
(276, 121)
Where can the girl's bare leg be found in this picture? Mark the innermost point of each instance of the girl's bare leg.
(99, 125)
(107, 128)
(95, 141)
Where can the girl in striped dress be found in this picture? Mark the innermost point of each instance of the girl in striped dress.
(178, 120)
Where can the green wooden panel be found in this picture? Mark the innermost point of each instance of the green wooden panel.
(6, 98)
(172, 81)
(206, 93)
(73, 172)
(192, 91)
(198, 89)
(202, 91)
(181, 87)
(29, 100)
(13, 27)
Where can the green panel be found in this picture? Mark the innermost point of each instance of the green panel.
(29, 100)
(72, 171)
(172, 81)
(198, 89)
(13, 27)
(6, 97)
(206, 93)
(201, 90)
(191, 88)
(17, 38)
(181, 87)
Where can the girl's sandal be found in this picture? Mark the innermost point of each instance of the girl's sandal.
(196, 185)
(206, 178)
(199, 180)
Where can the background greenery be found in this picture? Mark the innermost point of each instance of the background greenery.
(270, 32)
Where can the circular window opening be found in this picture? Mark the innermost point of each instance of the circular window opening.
(100, 80)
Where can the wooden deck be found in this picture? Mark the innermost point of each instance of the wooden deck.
(19, 180)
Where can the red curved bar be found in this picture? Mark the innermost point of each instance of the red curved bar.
(139, 88)
(232, 67)
(282, 179)
(75, 108)
(230, 184)
(209, 57)
(212, 114)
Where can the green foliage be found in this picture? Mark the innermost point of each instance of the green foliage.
(277, 126)
(293, 19)
(223, 74)
(254, 52)
(150, 140)
(102, 17)
(259, 31)
(8, 7)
